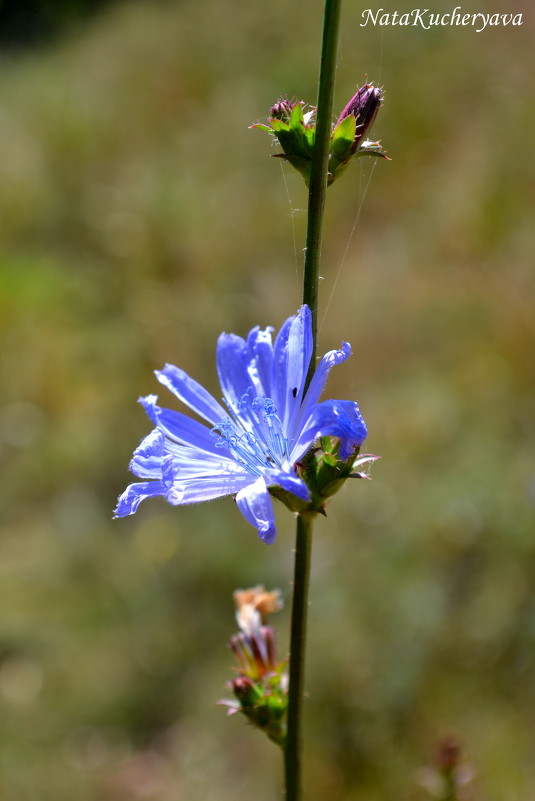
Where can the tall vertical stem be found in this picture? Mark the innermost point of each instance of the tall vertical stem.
(318, 175)
(303, 547)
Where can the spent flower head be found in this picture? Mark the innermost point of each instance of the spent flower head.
(450, 778)
(253, 605)
(261, 686)
(257, 446)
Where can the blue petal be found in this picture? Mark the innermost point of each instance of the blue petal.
(255, 504)
(128, 502)
(179, 426)
(279, 366)
(298, 362)
(232, 370)
(195, 463)
(291, 359)
(147, 459)
(333, 418)
(260, 359)
(330, 360)
(191, 393)
(290, 483)
(196, 489)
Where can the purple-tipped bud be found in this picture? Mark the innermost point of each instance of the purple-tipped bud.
(243, 687)
(364, 106)
(281, 110)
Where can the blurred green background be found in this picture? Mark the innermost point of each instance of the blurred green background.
(139, 217)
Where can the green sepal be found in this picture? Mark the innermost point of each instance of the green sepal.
(297, 119)
(372, 149)
(337, 168)
(329, 460)
(249, 699)
(262, 127)
(278, 125)
(342, 147)
(291, 501)
(342, 142)
(310, 133)
(326, 472)
(301, 165)
(266, 704)
(305, 134)
(292, 136)
(323, 472)
(340, 170)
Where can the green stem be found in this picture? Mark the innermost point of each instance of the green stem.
(303, 547)
(450, 790)
(293, 748)
(318, 174)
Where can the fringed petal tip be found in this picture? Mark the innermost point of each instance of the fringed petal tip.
(366, 458)
(149, 403)
(267, 533)
(128, 502)
(255, 504)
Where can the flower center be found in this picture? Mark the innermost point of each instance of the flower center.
(254, 435)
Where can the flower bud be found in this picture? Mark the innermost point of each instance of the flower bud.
(281, 110)
(245, 691)
(295, 130)
(364, 106)
(326, 468)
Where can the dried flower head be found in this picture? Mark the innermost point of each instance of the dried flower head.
(261, 686)
(254, 604)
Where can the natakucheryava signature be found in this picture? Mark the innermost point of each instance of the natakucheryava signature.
(427, 19)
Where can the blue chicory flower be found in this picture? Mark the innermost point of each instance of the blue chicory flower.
(269, 424)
